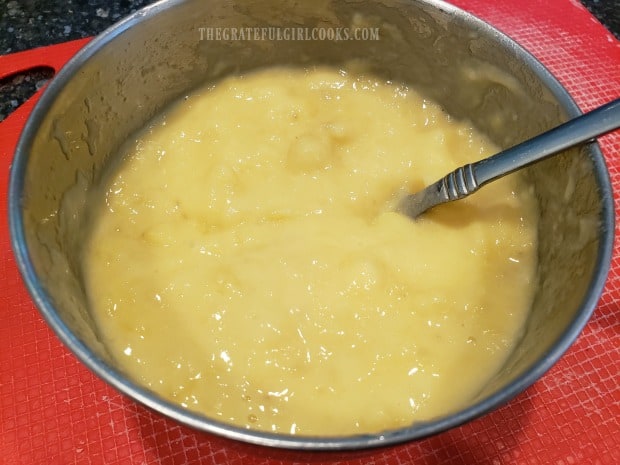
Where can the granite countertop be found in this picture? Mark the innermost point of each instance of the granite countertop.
(26, 24)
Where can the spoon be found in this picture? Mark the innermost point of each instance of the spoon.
(469, 178)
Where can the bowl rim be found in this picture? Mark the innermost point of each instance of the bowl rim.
(418, 430)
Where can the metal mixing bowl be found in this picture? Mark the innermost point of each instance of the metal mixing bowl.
(124, 77)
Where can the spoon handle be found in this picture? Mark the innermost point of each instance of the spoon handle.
(469, 178)
(576, 131)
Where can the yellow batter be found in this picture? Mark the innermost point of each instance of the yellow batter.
(245, 261)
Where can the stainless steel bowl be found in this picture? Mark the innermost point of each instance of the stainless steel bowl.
(120, 80)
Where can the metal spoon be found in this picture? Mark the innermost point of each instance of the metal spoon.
(469, 178)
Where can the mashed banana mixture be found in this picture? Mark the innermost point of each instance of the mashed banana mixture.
(245, 261)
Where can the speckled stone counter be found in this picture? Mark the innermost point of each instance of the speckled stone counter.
(26, 24)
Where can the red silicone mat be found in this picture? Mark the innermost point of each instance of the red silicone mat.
(54, 411)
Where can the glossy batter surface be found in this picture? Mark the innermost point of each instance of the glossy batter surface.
(245, 262)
